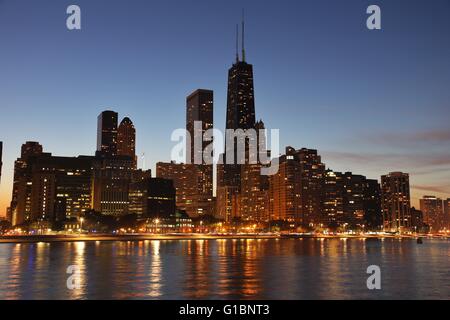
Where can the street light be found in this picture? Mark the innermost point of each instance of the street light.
(81, 224)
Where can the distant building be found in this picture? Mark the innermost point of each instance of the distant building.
(126, 140)
(107, 134)
(433, 212)
(111, 182)
(160, 198)
(417, 224)
(396, 202)
(199, 108)
(20, 208)
(312, 173)
(373, 216)
(353, 200)
(254, 194)
(193, 184)
(240, 114)
(447, 213)
(138, 193)
(333, 205)
(284, 189)
(49, 188)
(354, 206)
(227, 203)
(177, 222)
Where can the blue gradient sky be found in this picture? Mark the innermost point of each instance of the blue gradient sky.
(369, 101)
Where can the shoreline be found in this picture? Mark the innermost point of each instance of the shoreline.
(144, 237)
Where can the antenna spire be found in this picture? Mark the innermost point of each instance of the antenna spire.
(237, 42)
(243, 34)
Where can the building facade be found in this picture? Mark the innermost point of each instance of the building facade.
(433, 212)
(193, 184)
(107, 133)
(396, 202)
(50, 188)
(126, 140)
(200, 109)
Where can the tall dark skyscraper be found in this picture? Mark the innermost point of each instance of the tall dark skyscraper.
(237, 183)
(240, 111)
(107, 134)
(240, 96)
(126, 140)
(199, 107)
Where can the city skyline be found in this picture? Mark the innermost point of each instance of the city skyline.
(420, 151)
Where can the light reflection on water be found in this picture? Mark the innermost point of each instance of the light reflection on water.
(227, 269)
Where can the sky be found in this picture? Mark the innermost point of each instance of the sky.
(370, 101)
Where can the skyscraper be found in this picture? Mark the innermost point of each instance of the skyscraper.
(107, 134)
(284, 189)
(126, 140)
(193, 184)
(240, 95)
(373, 216)
(312, 175)
(240, 111)
(199, 108)
(333, 205)
(20, 208)
(354, 188)
(240, 114)
(111, 181)
(396, 201)
(433, 212)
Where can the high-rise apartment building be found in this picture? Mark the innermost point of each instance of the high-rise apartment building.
(373, 216)
(284, 189)
(433, 212)
(396, 202)
(333, 203)
(20, 208)
(193, 184)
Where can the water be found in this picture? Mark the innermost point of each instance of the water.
(227, 269)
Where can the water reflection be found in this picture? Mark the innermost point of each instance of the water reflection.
(226, 269)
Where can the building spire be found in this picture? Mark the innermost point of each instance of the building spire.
(237, 43)
(243, 36)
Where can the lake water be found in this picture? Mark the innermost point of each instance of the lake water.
(227, 269)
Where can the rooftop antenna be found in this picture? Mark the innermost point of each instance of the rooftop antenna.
(237, 42)
(243, 34)
(143, 161)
